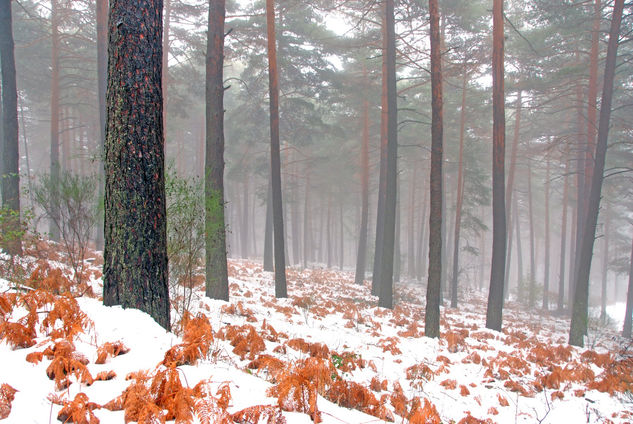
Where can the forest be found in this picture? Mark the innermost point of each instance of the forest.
(429, 201)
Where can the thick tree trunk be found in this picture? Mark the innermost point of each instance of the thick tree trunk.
(364, 177)
(563, 239)
(432, 314)
(628, 316)
(546, 261)
(165, 79)
(497, 269)
(460, 193)
(10, 146)
(385, 299)
(53, 230)
(135, 257)
(217, 281)
(275, 159)
(578, 326)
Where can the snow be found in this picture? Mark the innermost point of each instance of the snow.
(326, 307)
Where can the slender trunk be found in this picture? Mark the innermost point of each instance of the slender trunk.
(307, 232)
(54, 159)
(411, 226)
(592, 94)
(572, 257)
(563, 240)
(433, 288)
(578, 326)
(547, 240)
(245, 220)
(382, 181)
(605, 263)
(275, 159)
(397, 266)
(10, 146)
(517, 224)
(531, 283)
(497, 269)
(364, 166)
(217, 282)
(268, 230)
(165, 79)
(460, 193)
(328, 241)
(342, 237)
(510, 186)
(628, 315)
(581, 194)
(389, 220)
(422, 241)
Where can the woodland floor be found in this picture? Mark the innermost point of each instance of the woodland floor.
(326, 354)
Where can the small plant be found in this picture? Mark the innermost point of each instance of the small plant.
(69, 201)
(185, 237)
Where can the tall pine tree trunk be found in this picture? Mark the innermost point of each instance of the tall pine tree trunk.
(432, 315)
(54, 158)
(628, 315)
(531, 281)
(385, 282)
(364, 166)
(217, 281)
(275, 157)
(563, 238)
(605, 263)
(10, 146)
(135, 257)
(546, 261)
(268, 229)
(460, 193)
(497, 269)
(578, 326)
(411, 225)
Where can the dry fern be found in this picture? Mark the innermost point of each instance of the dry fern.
(7, 394)
(79, 411)
(66, 362)
(426, 414)
(110, 350)
(253, 415)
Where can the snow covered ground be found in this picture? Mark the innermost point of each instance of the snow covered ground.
(328, 338)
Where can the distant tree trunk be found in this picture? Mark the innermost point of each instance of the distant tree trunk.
(572, 257)
(460, 192)
(382, 180)
(275, 159)
(165, 79)
(411, 225)
(385, 299)
(364, 166)
(422, 241)
(605, 263)
(517, 224)
(592, 94)
(578, 326)
(432, 314)
(547, 240)
(307, 231)
(245, 220)
(563, 238)
(397, 259)
(628, 316)
(135, 257)
(497, 270)
(342, 237)
(581, 194)
(217, 281)
(54, 163)
(10, 146)
(328, 229)
(510, 188)
(268, 230)
(531, 283)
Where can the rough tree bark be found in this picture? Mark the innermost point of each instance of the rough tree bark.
(385, 282)
(135, 257)
(217, 280)
(497, 270)
(578, 327)
(432, 314)
(10, 146)
(275, 159)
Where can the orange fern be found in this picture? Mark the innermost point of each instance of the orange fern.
(426, 414)
(110, 350)
(253, 414)
(79, 411)
(7, 394)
